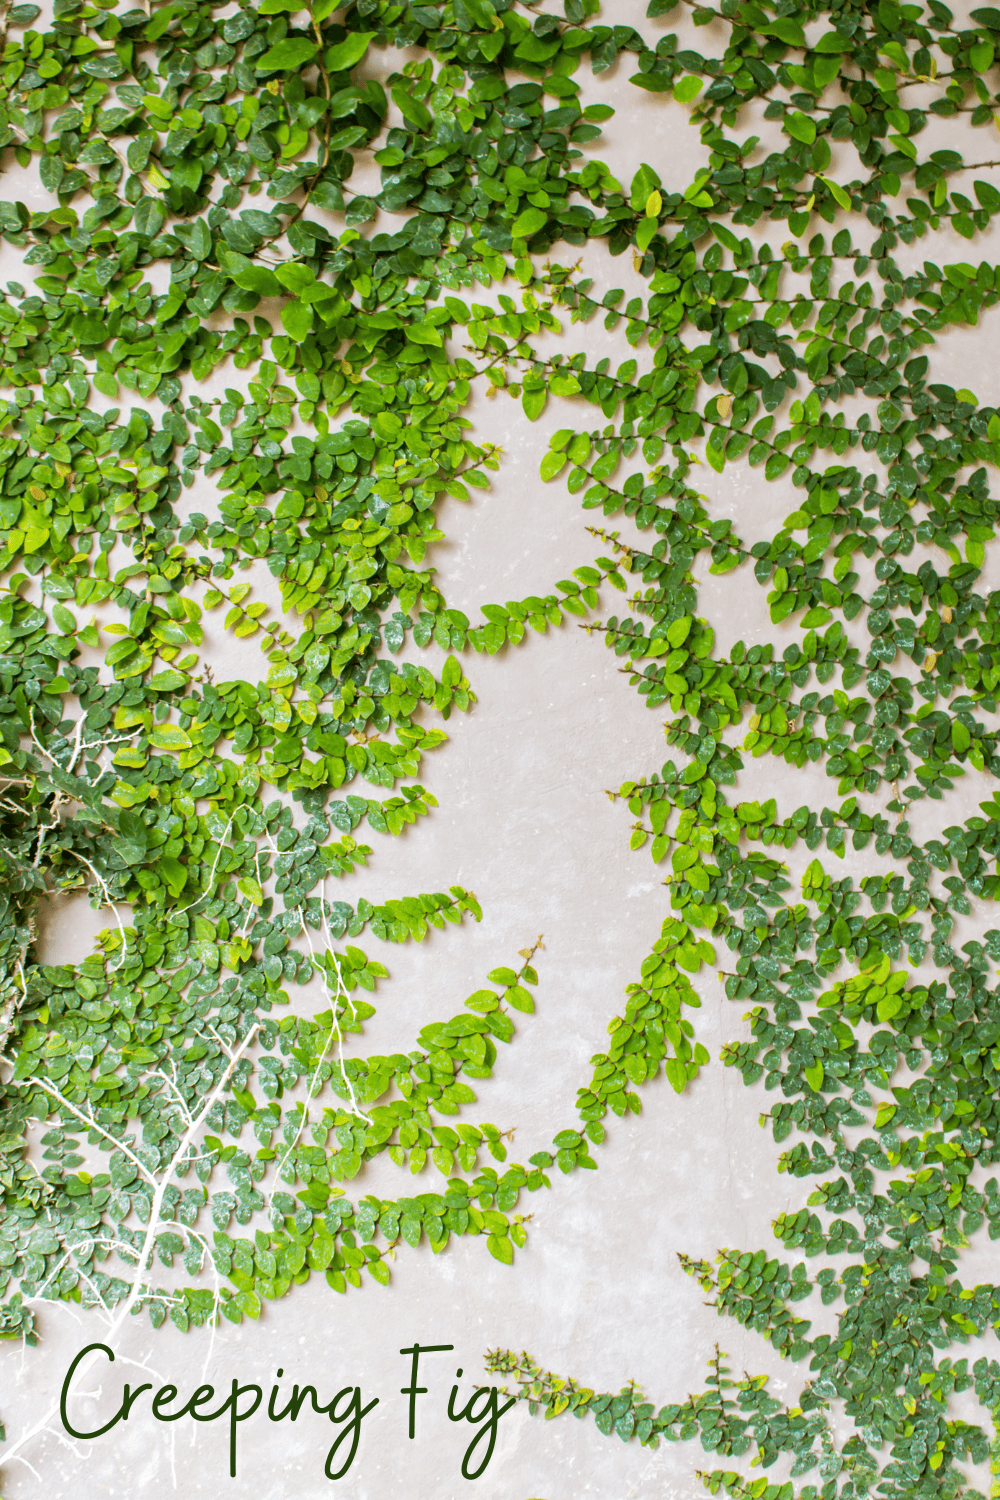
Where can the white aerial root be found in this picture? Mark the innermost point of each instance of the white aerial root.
(143, 1254)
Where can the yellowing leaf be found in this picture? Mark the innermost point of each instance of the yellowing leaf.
(170, 737)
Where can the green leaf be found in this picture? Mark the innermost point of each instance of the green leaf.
(644, 185)
(483, 1001)
(653, 83)
(528, 223)
(412, 109)
(800, 126)
(291, 54)
(170, 737)
(501, 1249)
(89, 328)
(687, 89)
(789, 32)
(348, 53)
(297, 320)
(174, 873)
(251, 277)
(534, 403)
(165, 682)
(451, 672)
(149, 217)
(132, 840)
(897, 53)
(839, 194)
(296, 278)
(520, 999)
(162, 21)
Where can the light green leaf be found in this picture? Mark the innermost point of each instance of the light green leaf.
(412, 109)
(348, 53)
(297, 320)
(534, 402)
(164, 682)
(529, 222)
(295, 277)
(170, 737)
(789, 32)
(687, 89)
(839, 194)
(501, 1248)
(291, 54)
(423, 333)
(800, 126)
(520, 999)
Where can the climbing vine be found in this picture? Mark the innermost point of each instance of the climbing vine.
(201, 226)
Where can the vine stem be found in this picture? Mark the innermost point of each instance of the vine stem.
(91, 1124)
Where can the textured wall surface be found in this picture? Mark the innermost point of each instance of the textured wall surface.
(524, 822)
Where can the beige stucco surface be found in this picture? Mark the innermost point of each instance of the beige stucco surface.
(523, 821)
